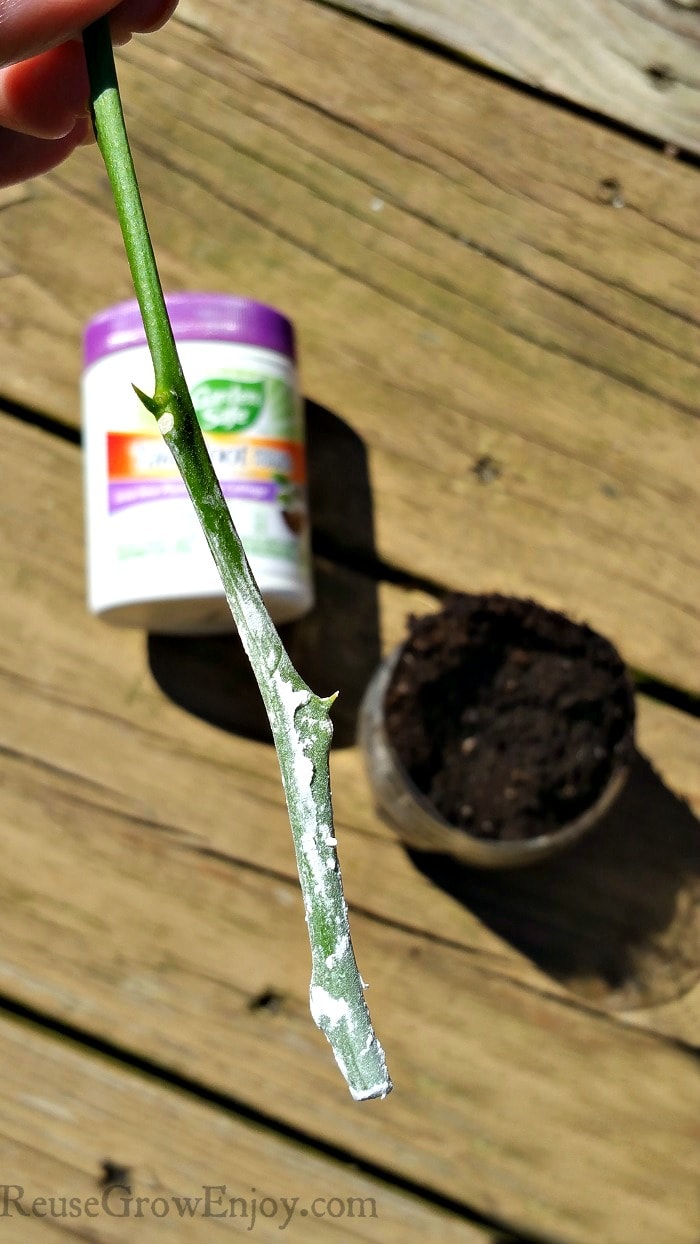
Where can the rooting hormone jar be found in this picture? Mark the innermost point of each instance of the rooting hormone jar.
(148, 563)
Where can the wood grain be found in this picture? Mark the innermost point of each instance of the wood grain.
(69, 1115)
(148, 898)
(518, 357)
(634, 62)
(497, 308)
(626, 897)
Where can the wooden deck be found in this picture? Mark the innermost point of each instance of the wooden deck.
(496, 297)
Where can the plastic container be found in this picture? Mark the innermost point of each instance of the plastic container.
(148, 563)
(422, 827)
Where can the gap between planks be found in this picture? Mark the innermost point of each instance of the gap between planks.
(631, 67)
(139, 946)
(340, 643)
(562, 330)
(71, 1110)
(358, 561)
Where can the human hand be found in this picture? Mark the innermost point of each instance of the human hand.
(44, 88)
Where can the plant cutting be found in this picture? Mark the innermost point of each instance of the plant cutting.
(300, 720)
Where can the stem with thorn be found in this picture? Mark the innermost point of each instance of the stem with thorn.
(300, 720)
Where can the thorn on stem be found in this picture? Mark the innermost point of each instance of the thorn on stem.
(149, 402)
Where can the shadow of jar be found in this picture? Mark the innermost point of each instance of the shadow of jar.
(613, 915)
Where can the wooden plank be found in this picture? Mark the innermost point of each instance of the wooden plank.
(170, 953)
(624, 928)
(161, 879)
(462, 294)
(68, 1115)
(635, 63)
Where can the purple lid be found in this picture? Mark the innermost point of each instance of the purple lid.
(194, 317)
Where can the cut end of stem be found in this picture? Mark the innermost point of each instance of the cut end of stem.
(376, 1092)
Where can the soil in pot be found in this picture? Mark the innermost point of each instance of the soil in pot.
(510, 718)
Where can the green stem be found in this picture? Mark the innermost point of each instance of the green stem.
(116, 154)
(300, 720)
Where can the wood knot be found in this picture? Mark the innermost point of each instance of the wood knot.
(269, 1000)
(660, 76)
(486, 469)
(114, 1175)
(610, 191)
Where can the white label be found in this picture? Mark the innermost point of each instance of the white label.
(144, 540)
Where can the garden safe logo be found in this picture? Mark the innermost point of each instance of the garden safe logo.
(117, 1200)
(228, 405)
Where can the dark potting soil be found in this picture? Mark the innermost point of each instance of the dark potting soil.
(510, 718)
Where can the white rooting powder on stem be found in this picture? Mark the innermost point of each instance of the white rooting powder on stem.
(336, 992)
